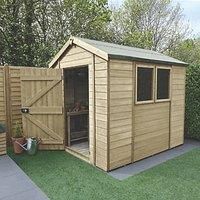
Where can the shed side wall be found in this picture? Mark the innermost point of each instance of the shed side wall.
(177, 106)
(120, 112)
(151, 129)
(135, 131)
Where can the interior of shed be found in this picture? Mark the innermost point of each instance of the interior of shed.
(76, 95)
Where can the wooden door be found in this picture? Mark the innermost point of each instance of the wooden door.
(42, 97)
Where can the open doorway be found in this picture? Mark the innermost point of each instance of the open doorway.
(76, 94)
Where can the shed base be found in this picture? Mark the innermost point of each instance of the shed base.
(80, 150)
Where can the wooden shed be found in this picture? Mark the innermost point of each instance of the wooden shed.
(108, 104)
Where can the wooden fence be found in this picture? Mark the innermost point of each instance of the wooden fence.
(10, 98)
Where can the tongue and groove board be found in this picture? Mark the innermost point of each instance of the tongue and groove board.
(42, 95)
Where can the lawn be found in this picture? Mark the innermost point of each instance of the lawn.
(62, 176)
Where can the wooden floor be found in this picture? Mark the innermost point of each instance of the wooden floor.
(81, 148)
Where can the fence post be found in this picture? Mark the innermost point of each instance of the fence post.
(8, 104)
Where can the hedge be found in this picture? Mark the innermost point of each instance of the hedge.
(192, 110)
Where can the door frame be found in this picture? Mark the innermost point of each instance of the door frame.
(66, 137)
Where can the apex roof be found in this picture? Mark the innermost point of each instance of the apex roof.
(107, 50)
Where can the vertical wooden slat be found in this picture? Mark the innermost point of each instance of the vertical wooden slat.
(108, 115)
(94, 112)
(8, 104)
(133, 109)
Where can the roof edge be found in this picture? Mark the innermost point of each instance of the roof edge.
(183, 64)
(74, 40)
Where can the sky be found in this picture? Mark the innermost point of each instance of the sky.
(191, 11)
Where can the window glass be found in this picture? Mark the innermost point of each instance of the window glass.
(144, 84)
(163, 83)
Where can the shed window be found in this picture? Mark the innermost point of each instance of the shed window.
(163, 83)
(144, 84)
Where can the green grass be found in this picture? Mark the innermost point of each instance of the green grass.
(62, 176)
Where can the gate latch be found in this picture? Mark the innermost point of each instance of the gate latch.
(25, 110)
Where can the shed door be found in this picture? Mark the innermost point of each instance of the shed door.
(42, 95)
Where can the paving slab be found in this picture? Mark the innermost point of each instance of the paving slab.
(145, 164)
(15, 184)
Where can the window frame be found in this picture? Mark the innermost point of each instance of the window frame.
(136, 83)
(156, 84)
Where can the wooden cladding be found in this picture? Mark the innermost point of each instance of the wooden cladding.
(42, 95)
(177, 106)
(2, 143)
(141, 130)
(121, 131)
(10, 98)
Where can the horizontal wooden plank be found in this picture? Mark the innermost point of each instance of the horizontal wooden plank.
(120, 153)
(120, 129)
(101, 88)
(120, 88)
(46, 110)
(101, 110)
(121, 65)
(120, 163)
(121, 94)
(101, 102)
(75, 56)
(49, 141)
(102, 117)
(119, 116)
(152, 118)
(118, 81)
(40, 78)
(2, 152)
(101, 153)
(102, 138)
(101, 162)
(120, 102)
(120, 143)
(152, 128)
(120, 108)
(101, 73)
(120, 136)
(101, 66)
(101, 124)
(149, 151)
(157, 106)
(101, 95)
(101, 81)
(120, 73)
(101, 131)
(122, 122)
(75, 63)
(164, 137)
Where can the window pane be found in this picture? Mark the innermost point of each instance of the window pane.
(144, 84)
(163, 79)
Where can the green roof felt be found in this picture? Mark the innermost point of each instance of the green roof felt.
(127, 52)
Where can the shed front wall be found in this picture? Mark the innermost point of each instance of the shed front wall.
(137, 131)
(98, 106)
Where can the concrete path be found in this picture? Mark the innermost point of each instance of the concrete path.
(15, 184)
(140, 166)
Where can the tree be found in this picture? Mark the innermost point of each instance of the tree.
(33, 30)
(28, 32)
(188, 51)
(11, 32)
(151, 24)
